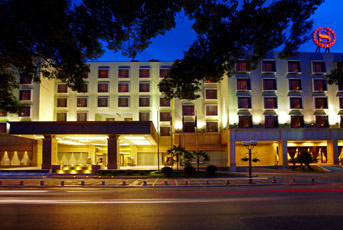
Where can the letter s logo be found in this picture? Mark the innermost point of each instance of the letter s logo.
(324, 34)
(324, 37)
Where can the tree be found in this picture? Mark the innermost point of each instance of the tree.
(305, 158)
(336, 75)
(177, 152)
(200, 155)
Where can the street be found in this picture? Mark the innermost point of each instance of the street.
(241, 207)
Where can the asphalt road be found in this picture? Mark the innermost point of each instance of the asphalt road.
(245, 207)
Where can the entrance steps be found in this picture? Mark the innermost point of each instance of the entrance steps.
(333, 168)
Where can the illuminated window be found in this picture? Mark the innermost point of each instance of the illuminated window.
(123, 101)
(163, 73)
(322, 121)
(245, 121)
(144, 87)
(81, 116)
(25, 80)
(62, 102)
(188, 127)
(188, 110)
(62, 88)
(84, 89)
(164, 131)
(102, 73)
(211, 93)
(297, 121)
(25, 94)
(270, 102)
(3, 113)
(241, 66)
(61, 116)
(144, 73)
(123, 73)
(318, 67)
(123, 87)
(25, 111)
(144, 101)
(211, 110)
(269, 84)
(102, 101)
(3, 128)
(294, 84)
(294, 67)
(103, 88)
(271, 121)
(164, 102)
(82, 102)
(296, 102)
(268, 66)
(165, 116)
(144, 116)
(209, 80)
(244, 102)
(321, 102)
(211, 126)
(341, 102)
(243, 84)
(319, 85)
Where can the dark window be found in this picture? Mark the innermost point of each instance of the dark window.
(211, 126)
(268, 66)
(26, 80)
(211, 110)
(123, 73)
(144, 101)
(144, 73)
(270, 102)
(102, 101)
(244, 102)
(211, 93)
(62, 102)
(123, 101)
(3, 113)
(144, 116)
(165, 116)
(241, 66)
(339, 65)
(144, 87)
(243, 84)
(61, 117)
(188, 127)
(3, 128)
(322, 121)
(82, 102)
(85, 75)
(25, 112)
(340, 87)
(164, 131)
(271, 121)
(84, 89)
(318, 67)
(341, 121)
(123, 87)
(245, 121)
(82, 116)
(321, 102)
(164, 102)
(103, 73)
(163, 73)
(294, 66)
(319, 85)
(294, 84)
(297, 121)
(341, 102)
(188, 110)
(296, 102)
(269, 84)
(62, 88)
(103, 88)
(25, 95)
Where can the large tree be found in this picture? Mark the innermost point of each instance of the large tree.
(56, 38)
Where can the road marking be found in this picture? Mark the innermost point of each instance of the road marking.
(22, 191)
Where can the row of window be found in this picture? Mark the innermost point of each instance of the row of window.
(103, 73)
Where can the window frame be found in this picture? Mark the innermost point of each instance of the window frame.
(248, 83)
(276, 121)
(193, 112)
(128, 101)
(141, 83)
(267, 97)
(25, 90)
(66, 116)
(145, 113)
(29, 109)
(141, 98)
(250, 123)
(124, 83)
(102, 69)
(295, 79)
(77, 104)
(319, 90)
(209, 131)
(57, 89)
(273, 71)
(318, 61)
(293, 97)
(320, 97)
(81, 112)
(211, 105)
(126, 70)
(102, 97)
(292, 72)
(249, 103)
(265, 79)
(302, 122)
(60, 98)
(144, 69)
(236, 66)
(164, 106)
(209, 89)
(326, 121)
(104, 83)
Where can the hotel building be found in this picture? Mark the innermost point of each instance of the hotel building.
(120, 120)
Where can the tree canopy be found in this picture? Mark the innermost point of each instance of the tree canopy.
(55, 38)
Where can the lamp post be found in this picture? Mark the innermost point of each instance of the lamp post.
(250, 145)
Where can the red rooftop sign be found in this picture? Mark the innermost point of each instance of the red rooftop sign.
(324, 37)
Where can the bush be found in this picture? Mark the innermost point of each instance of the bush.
(211, 169)
(189, 170)
(167, 171)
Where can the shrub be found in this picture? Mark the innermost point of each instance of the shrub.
(189, 170)
(305, 158)
(211, 169)
(167, 170)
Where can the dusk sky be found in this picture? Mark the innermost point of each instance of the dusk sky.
(172, 45)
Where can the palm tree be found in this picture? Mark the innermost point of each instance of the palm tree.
(177, 152)
(200, 154)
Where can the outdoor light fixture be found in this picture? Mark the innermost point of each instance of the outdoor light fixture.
(250, 145)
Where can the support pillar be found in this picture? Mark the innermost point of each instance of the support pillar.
(284, 153)
(232, 151)
(47, 147)
(332, 152)
(113, 152)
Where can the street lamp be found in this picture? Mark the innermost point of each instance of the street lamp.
(250, 145)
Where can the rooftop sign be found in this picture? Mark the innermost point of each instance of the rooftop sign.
(324, 37)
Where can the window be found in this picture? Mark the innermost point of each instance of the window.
(319, 85)
(62, 88)
(84, 89)
(296, 102)
(297, 121)
(294, 84)
(340, 87)
(144, 101)
(211, 110)
(61, 117)
(294, 67)
(271, 121)
(245, 121)
(103, 88)
(81, 116)
(123, 73)
(341, 102)
(321, 102)
(123, 87)
(144, 87)
(82, 102)
(123, 101)
(62, 102)
(102, 73)
(269, 84)
(243, 84)
(188, 127)
(3, 128)
(211, 126)
(25, 80)
(102, 101)
(25, 111)
(25, 94)
(188, 110)
(268, 66)
(164, 102)
(270, 102)
(110, 119)
(144, 116)
(163, 73)
(241, 66)
(164, 131)
(128, 119)
(210, 80)
(3, 113)
(322, 121)
(144, 73)
(339, 65)
(318, 67)
(211, 93)
(244, 102)
(165, 116)
(85, 75)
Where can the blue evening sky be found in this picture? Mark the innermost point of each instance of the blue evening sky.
(172, 45)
